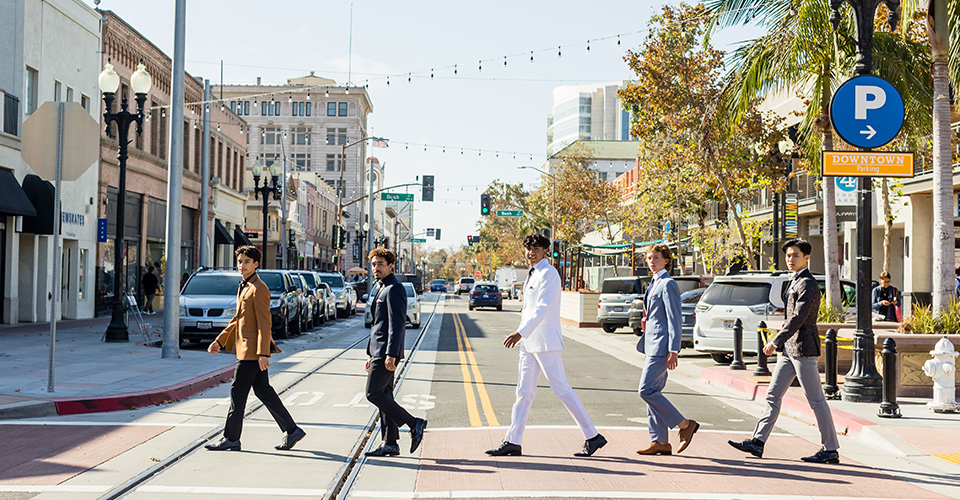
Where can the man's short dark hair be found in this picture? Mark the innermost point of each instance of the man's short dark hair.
(801, 244)
(384, 253)
(536, 240)
(250, 251)
(149, 269)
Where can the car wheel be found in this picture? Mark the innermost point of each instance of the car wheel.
(638, 332)
(284, 331)
(500, 308)
(367, 325)
(609, 328)
(295, 329)
(415, 325)
(723, 358)
(323, 318)
(470, 307)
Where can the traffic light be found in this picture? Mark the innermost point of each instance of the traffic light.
(292, 237)
(437, 234)
(427, 194)
(339, 237)
(484, 204)
(556, 249)
(469, 240)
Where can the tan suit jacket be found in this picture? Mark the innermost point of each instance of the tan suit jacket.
(250, 331)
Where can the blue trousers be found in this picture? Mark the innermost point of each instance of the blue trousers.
(661, 414)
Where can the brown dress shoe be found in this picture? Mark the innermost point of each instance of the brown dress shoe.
(686, 435)
(656, 448)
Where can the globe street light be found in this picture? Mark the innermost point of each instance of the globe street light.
(273, 186)
(109, 81)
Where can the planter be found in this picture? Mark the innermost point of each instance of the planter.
(579, 308)
(913, 351)
(845, 347)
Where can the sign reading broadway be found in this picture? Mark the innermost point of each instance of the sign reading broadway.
(867, 164)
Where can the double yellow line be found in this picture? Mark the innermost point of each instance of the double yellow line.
(466, 352)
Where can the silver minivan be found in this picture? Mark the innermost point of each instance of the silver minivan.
(616, 294)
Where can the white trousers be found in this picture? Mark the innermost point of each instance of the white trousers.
(532, 364)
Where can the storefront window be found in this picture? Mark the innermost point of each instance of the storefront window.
(81, 276)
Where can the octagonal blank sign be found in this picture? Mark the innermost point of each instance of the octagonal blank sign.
(81, 141)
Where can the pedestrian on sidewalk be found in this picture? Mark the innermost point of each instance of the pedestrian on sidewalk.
(385, 350)
(541, 345)
(798, 342)
(886, 300)
(250, 334)
(149, 283)
(661, 347)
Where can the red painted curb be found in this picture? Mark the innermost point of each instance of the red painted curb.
(131, 400)
(795, 405)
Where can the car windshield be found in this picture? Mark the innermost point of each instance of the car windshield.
(466, 280)
(620, 286)
(486, 288)
(274, 281)
(742, 293)
(409, 288)
(333, 281)
(439, 282)
(691, 297)
(311, 282)
(214, 284)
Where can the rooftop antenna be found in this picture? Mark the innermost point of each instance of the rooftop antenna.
(350, 50)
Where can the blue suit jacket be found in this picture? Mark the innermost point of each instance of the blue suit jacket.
(664, 320)
(389, 319)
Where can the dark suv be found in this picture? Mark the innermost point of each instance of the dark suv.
(414, 279)
(284, 302)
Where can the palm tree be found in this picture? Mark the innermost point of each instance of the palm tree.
(802, 53)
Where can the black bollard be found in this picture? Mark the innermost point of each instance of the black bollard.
(737, 363)
(830, 389)
(762, 369)
(889, 407)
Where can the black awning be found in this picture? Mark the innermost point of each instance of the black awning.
(220, 234)
(240, 239)
(13, 201)
(41, 194)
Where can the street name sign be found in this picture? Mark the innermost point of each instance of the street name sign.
(867, 164)
(396, 196)
(509, 213)
(418, 240)
(867, 111)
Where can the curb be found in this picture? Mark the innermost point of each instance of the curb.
(115, 402)
(792, 404)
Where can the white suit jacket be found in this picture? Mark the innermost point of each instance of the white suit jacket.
(540, 316)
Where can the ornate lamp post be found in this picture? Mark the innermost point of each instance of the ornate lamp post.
(273, 186)
(109, 81)
(863, 382)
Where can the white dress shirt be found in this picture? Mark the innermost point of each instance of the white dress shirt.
(540, 316)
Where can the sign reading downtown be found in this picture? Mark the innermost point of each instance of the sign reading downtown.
(867, 164)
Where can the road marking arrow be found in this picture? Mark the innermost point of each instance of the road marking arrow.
(870, 132)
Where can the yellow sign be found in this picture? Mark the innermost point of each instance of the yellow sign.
(867, 164)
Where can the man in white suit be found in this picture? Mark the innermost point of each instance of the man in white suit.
(661, 346)
(541, 343)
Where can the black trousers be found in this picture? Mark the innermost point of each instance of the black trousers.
(380, 393)
(247, 375)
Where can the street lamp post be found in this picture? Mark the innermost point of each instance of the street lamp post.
(109, 81)
(273, 186)
(553, 196)
(863, 382)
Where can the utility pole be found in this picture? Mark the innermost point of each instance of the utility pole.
(205, 173)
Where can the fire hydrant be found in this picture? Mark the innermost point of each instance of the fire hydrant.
(942, 369)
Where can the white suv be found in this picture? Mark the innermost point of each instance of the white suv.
(464, 285)
(752, 297)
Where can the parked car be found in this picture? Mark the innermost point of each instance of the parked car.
(414, 279)
(309, 300)
(438, 285)
(319, 316)
(360, 287)
(346, 296)
(208, 302)
(616, 294)
(463, 285)
(329, 300)
(284, 302)
(413, 307)
(685, 283)
(486, 294)
(751, 297)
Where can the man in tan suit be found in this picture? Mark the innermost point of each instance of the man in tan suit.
(249, 333)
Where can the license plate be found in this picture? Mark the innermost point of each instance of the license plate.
(618, 309)
(728, 323)
(204, 325)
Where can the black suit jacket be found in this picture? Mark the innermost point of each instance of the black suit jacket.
(389, 319)
(799, 336)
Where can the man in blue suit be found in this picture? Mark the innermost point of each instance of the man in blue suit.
(661, 345)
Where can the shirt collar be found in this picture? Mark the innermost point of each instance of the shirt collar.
(661, 274)
(542, 264)
(798, 273)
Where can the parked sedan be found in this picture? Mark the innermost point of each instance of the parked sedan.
(438, 285)
(327, 297)
(413, 306)
(317, 307)
(486, 294)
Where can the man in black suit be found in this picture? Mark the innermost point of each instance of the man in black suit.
(798, 342)
(385, 349)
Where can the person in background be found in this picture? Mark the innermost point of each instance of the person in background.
(885, 299)
(150, 283)
(183, 280)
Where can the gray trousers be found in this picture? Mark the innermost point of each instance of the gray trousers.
(804, 368)
(661, 414)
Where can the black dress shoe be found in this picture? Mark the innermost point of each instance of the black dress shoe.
(385, 450)
(505, 448)
(591, 445)
(823, 457)
(290, 439)
(416, 434)
(224, 445)
(751, 446)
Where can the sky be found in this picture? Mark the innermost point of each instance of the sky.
(489, 106)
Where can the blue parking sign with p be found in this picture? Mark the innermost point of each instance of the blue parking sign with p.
(867, 111)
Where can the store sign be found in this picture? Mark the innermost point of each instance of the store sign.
(101, 230)
(867, 164)
(846, 213)
(791, 213)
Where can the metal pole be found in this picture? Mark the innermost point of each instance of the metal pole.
(776, 230)
(57, 251)
(553, 212)
(266, 216)
(762, 370)
(117, 329)
(889, 407)
(284, 264)
(171, 275)
(205, 173)
(737, 363)
(830, 388)
(370, 229)
(340, 163)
